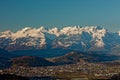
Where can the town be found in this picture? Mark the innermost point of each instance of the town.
(79, 70)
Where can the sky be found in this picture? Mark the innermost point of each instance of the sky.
(17, 14)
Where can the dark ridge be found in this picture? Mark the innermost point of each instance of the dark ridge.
(30, 61)
(74, 57)
(12, 77)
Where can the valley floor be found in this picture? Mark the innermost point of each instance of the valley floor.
(86, 71)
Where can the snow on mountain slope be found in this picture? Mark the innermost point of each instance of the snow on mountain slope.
(76, 38)
(6, 34)
(119, 33)
(81, 35)
(54, 31)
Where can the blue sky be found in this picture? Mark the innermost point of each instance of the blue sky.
(17, 14)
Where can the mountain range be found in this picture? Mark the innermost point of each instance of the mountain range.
(89, 38)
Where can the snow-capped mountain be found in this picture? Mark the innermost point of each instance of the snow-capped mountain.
(75, 38)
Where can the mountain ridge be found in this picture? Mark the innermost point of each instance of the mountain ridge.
(75, 38)
(90, 57)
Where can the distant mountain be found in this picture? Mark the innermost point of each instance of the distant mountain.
(89, 38)
(75, 57)
(30, 61)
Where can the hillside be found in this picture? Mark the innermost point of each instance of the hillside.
(74, 57)
(30, 61)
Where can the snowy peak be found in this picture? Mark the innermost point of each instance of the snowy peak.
(71, 30)
(54, 31)
(26, 29)
(79, 30)
(76, 37)
(41, 29)
(6, 34)
(28, 32)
